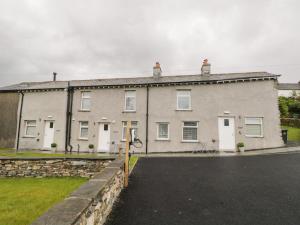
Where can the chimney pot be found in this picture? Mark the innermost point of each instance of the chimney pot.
(157, 70)
(205, 69)
(54, 76)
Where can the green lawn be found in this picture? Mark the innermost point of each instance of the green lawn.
(22, 200)
(133, 160)
(293, 133)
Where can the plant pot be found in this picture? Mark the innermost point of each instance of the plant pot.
(53, 149)
(242, 149)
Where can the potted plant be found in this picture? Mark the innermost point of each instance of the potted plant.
(53, 147)
(91, 147)
(241, 146)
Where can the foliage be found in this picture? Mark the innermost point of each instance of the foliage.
(290, 122)
(240, 145)
(289, 106)
(25, 199)
(91, 146)
(53, 145)
(293, 133)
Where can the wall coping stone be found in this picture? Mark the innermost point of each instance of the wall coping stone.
(57, 158)
(73, 207)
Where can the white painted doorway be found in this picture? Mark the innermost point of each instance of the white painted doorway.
(104, 137)
(226, 133)
(48, 134)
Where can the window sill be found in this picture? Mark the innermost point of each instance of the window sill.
(157, 139)
(184, 110)
(29, 137)
(254, 136)
(83, 139)
(129, 111)
(191, 141)
(84, 110)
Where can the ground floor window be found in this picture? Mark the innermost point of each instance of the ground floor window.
(30, 128)
(163, 131)
(254, 127)
(134, 125)
(84, 129)
(189, 131)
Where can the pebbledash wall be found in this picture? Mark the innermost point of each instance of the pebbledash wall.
(208, 103)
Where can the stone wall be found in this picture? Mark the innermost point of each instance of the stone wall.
(51, 167)
(91, 203)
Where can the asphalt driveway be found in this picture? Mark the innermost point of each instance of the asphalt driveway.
(249, 190)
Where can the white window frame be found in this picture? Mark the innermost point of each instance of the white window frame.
(191, 141)
(28, 125)
(83, 126)
(157, 131)
(261, 125)
(125, 100)
(84, 98)
(123, 138)
(190, 99)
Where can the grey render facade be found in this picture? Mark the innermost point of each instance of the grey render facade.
(170, 113)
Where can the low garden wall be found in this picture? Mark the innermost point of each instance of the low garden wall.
(91, 203)
(51, 167)
(290, 122)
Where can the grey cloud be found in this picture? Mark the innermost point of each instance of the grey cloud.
(96, 39)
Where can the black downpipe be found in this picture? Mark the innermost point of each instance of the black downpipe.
(20, 118)
(147, 118)
(68, 116)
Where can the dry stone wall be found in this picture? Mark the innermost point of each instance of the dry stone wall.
(59, 167)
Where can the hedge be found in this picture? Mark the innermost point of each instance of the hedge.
(290, 122)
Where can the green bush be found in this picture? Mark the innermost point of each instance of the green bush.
(240, 145)
(91, 146)
(53, 145)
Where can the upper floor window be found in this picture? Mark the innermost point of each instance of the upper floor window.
(83, 129)
(86, 100)
(189, 131)
(134, 125)
(183, 100)
(130, 100)
(254, 127)
(163, 131)
(30, 128)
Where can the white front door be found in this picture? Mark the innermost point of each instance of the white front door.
(226, 133)
(48, 134)
(104, 137)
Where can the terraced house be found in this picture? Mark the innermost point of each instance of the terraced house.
(169, 113)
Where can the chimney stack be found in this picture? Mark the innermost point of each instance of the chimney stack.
(157, 70)
(54, 76)
(205, 69)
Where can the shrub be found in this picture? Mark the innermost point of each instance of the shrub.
(290, 122)
(53, 145)
(240, 145)
(91, 146)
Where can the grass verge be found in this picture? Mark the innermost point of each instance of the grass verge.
(25, 199)
(293, 133)
(133, 160)
(29, 154)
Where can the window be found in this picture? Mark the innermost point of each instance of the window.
(84, 130)
(253, 127)
(86, 101)
(226, 122)
(130, 100)
(163, 131)
(189, 131)
(183, 100)
(134, 125)
(30, 127)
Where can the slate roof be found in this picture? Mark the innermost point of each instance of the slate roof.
(135, 80)
(288, 86)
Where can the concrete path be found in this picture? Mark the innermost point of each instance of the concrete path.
(260, 190)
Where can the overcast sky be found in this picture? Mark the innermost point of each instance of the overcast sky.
(84, 39)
